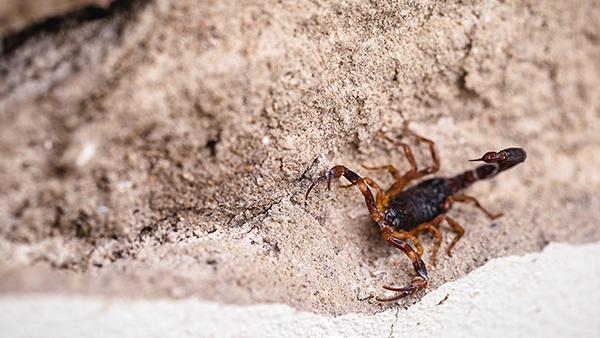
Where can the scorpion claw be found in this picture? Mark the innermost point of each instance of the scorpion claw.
(317, 181)
(327, 176)
(328, 181)
(405, 289)
(416, 284)
(391, 299)
(310, 188)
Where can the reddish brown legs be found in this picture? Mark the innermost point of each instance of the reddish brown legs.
(431, 227)
(396, 238)
(404, 236)
(434, 157)
(402, 180)
(389, 168)
(413, 173)
(465, 198)
(459, 230)
(379, 194)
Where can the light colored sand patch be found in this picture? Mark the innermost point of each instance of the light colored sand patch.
(549, 294)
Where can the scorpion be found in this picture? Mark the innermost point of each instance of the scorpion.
(402, 214)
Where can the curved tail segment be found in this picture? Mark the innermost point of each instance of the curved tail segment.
(496, 162)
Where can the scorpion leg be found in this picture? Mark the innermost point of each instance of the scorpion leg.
(465, 198)
(409, 156)
(413, 173)
(431, 227)
(418, 282)
(403, 236)
(434, 157)
(459, 230)
(401, 181)
(389, 168)
(379, 192)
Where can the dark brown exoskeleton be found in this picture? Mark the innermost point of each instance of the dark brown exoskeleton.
(402, 214)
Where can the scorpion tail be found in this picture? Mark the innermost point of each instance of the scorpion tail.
(495, 162)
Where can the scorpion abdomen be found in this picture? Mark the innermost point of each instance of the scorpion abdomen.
(418, 204)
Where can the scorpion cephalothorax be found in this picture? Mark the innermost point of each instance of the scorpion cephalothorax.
(402, 214)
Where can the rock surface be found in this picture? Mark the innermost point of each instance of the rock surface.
(164, 147)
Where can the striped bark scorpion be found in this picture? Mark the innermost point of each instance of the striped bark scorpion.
(402, 214)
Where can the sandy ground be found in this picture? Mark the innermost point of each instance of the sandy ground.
(532, 298)
(164, 147)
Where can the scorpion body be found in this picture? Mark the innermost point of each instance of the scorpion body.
(418, 204)
(402, 214)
